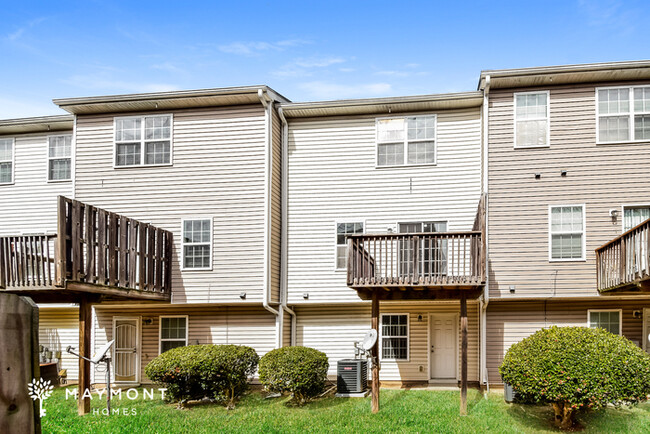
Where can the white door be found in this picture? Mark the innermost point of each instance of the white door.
(126, 360)
(443, 341)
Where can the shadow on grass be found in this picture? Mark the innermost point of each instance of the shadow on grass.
(533, 416)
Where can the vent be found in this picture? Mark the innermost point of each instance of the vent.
(352, 376)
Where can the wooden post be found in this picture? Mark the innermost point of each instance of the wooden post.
(85, 320)
(375, 354)
(463, 355)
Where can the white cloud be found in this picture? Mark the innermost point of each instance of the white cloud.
(18, 33)
(252, 48)
(302, 67)
(168, 67)
(326, 90)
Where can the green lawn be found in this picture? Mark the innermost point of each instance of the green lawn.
(402, 411)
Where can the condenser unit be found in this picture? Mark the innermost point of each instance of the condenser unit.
(351, 377)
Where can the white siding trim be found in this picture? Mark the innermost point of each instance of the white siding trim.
(584, 234)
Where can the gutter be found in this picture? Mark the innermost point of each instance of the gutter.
(284, 230)
(485, 297)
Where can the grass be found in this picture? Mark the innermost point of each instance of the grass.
(401, 411)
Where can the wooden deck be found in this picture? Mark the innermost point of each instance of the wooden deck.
(94, 254)
(623, 264)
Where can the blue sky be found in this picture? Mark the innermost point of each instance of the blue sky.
(306, 50)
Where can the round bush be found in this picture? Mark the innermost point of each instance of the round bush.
(301, 371)
(575, 368)
(220, 372)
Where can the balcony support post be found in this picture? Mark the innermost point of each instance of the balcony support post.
(85, 321)
(463, 354)
(375, 354)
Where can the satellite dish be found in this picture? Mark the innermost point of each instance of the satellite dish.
(99, 355)
(369, 340)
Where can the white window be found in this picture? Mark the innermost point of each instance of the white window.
(609, 320)
(406, 141)
(531, 119)
(59, 158)
(395, 336)
(197, 244)
(173, 332)
(567, 233)
(6, 161)
(342, 232)
(623, 114)
(144, 140)
(633, 216)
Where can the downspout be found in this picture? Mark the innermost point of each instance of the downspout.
(268, 163)
(284, 234)
(485, 297)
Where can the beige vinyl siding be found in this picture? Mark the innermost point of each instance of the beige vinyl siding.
(286, 330)
(276, 207)
(332, 177)
(29, 205)
(333, 329)
(218, 171)
(601, 177)
(254, 327)
(58, 328)
(510, 322)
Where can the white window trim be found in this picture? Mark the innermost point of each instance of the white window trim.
(183, 243)
(408, 337)
(13, 160)
(142, 141)
(47, 175)
(635, 205)
(406, 141)
(620, 318)
(630, 114)
(584, 234)
(336, 223)
(187, 330)
(548, 119)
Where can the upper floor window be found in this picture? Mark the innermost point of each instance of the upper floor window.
(633, 216)
(342, 232)
(406, 141)
(567, 233)
(143, 140)
(6, 161)
(59, 158)
(531, 119)
(197, 244)
(623, 114)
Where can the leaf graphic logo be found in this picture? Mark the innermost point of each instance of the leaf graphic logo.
(40, 390)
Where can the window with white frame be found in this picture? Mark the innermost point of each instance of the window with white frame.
(173, 332)
(59, 158)
(143, 140)
(395, 336)
(567, 233)
(609, 320)
(407, 140)
(197, 244)
(623, 114)
(633, 216)
(342, 232)
(531, 119)
(6, 161)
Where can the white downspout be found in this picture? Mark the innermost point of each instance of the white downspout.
(485, 297)
(268, 163)
(284, 227)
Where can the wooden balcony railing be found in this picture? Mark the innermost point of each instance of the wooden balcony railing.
(441, 259)
(625, 260)
(92, 247)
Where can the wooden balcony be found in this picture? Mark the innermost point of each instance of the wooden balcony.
(623, 264)
(95, 254)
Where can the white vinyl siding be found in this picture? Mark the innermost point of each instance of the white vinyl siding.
(406, 141)
(144, 140)
(59, 158)
(394, 336)
(623, 114)
(566, 233)
(173, 332)
(531, 119)
(342, 232)
(6, 161)
(197, 244)
(609, 320)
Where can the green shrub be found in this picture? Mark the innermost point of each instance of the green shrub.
(301, 371)
(577, 368)
(220, 372)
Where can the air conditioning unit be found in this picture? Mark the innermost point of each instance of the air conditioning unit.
(351, 376)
